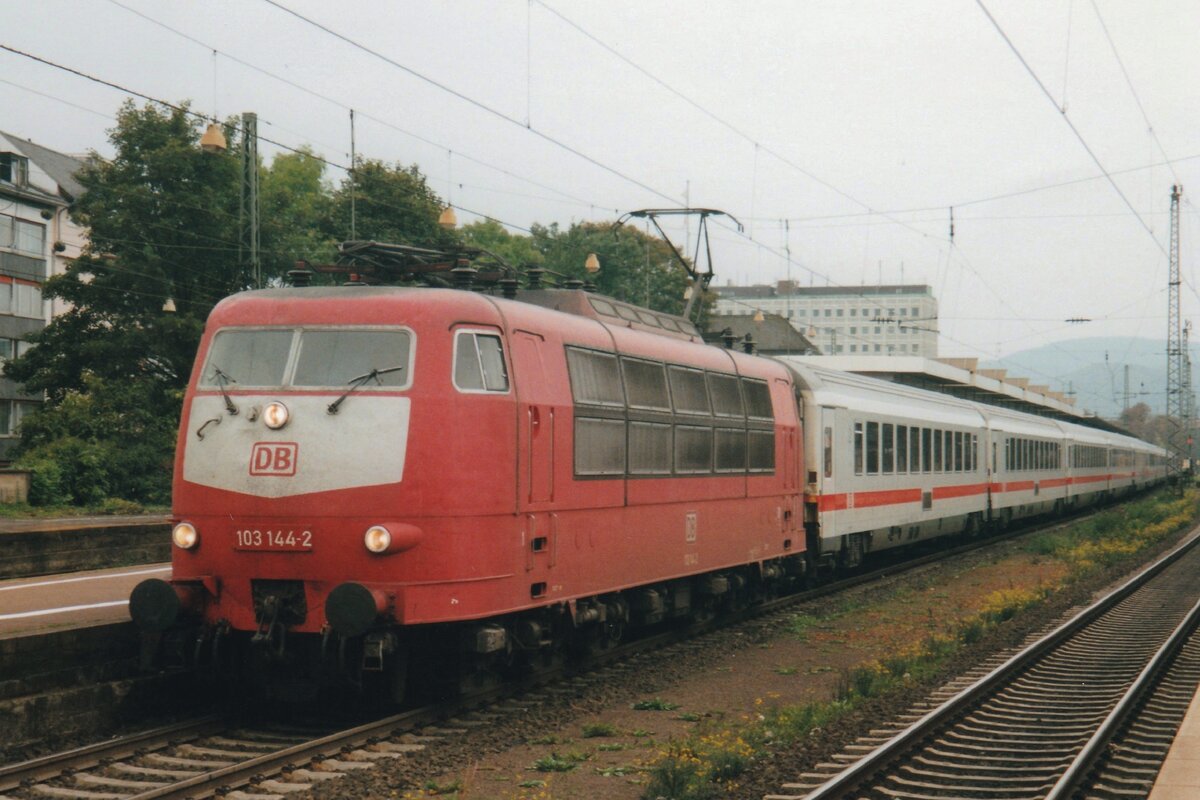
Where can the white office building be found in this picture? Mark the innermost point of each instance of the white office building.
(897, 320)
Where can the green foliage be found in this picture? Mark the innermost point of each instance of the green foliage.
(598, 729)
(634, 266)
(391, 204)
(516, 250)
(295, 208)
(657, 704)
(559, 763)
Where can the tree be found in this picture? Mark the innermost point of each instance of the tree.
(295, 208)
(517, 250)
(391, 204)
(634, 266)
(162, 218)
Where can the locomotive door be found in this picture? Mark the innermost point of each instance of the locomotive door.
(535, 420)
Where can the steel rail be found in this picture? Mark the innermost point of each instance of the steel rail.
(1077, 772)
(48, 766)
(874, 762)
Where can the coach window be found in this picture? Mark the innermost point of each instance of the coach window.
(872, 448)
(974, 452)
(594, 377)
(828, 451)
(889, 448)
(645, 384)
(688, 392)
(937, 451)
(858, 448)
(726, 395)
(901, 448)
(926, 450)
(914, 449)
(958, 451)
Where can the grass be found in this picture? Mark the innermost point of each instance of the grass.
(705, 764)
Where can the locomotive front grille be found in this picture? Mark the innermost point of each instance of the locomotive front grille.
(279, 601)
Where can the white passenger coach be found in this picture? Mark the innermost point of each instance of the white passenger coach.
(891, 464)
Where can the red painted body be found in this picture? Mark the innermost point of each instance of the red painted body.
(484, 474)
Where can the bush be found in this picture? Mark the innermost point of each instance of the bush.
(67, 470)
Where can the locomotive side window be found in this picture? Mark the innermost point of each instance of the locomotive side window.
(761, 451)
(646, 384)
(730, 450)
(758, 399)
(649, 448)
(726, 395)
(479, 362)
(599, 446)
(247, 358)
(688, 391)
(594, 377)
(693, 449)
(337, 357)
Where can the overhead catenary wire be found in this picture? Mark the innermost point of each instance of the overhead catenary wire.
(344, 105)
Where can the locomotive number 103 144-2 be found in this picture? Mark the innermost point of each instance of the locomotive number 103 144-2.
(267, 539)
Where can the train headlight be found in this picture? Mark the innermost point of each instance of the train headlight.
(377, 539)
(185, 536)
(275, 415)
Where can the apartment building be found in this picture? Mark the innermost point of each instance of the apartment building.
(37, 240)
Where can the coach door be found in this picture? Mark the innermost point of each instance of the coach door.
(535, 420)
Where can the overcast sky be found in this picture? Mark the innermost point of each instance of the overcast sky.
(859, 123)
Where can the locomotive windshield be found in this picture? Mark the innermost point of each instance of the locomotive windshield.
(309, 358)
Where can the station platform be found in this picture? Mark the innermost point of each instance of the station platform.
(1179, 778)
(51, 603)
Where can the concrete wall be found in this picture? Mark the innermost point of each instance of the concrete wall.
(25, 554)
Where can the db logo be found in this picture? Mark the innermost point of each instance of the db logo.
(274, 458)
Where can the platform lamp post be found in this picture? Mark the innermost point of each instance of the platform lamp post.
(447, 220)
(592, 265)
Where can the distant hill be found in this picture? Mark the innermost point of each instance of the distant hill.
(1095, 370)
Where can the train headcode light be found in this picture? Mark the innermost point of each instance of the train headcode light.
(275, 415)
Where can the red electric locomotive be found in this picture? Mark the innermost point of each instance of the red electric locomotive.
(373, 480)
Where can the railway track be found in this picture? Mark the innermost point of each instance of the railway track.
(211, 756)
(1086, 710)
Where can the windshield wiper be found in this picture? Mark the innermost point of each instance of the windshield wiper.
(359, 381)
(223, 379)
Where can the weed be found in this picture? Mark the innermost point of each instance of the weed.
(613, 747)
(639, 733)
(598, 729)
(613, 772)
(435, 788)
(785, 670)
(556, 763)
(688, 717)
(657, 704)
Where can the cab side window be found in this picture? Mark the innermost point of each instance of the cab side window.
(479, 362)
